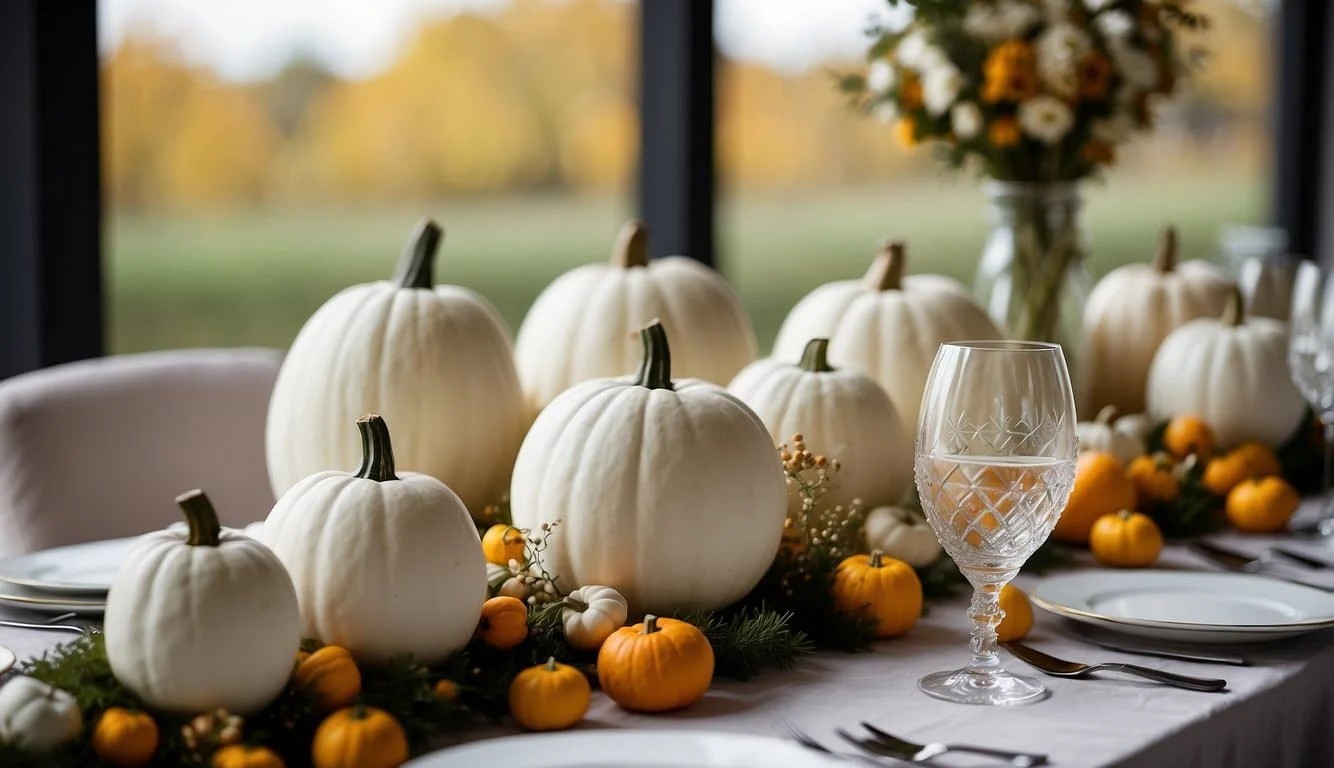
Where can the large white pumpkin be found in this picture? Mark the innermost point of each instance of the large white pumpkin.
(202, 618)
(384, 563)
(1233, 373)
(841, 414)
(436, 361)
(583, 325)
(669, 491)
(1129, 313)
(886, 325)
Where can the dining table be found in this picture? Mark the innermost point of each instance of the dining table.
(1277, 710)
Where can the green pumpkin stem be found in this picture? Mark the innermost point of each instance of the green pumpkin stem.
(377, 453)
(876, 559)
(655, 372)
(651, 624)
(200, 515)
(886, 272)
(416, 267)
(1166, 260)
(815, 358)
(1234, 314)
(631, 249)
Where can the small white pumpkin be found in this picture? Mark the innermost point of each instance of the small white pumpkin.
(903, 535)
(591, 613)
(886, 325)
(669, 491)
(202, 619)
(1266, 282)
(1129, 313)
(436, 361)
(841, 414)
(583, 324)
(37, 717)
(1233, 373)
(1102, 434)
(384, 564)
(503, 582)
(1137, 425)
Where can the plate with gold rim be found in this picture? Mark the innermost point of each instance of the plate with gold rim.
(628, 748)
(28, 599)
(79, 569)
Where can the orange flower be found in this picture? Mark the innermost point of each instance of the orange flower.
(1010, 73)
(1094, 75)
(910, 92)
(1003, 132)
(906, 128)
(1098, 152)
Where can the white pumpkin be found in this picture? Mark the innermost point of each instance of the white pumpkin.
(903, 535)
(842, 414)
(583, 324)
(591, 613)
(437, 362)
(202, 619)
(384, 563)
(886, 325)
(37, 717)
(1104, 434)
(671, 492)
(1129, 313)
(1266, 282)
(1233, 373)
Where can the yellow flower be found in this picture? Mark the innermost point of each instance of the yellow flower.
(1010, 73)
(906, 128)
(1003, 132)
(1098, 152)
(1094, 76)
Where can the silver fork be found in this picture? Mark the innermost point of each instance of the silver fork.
(882, 743)
(806, 741)
(53, 623)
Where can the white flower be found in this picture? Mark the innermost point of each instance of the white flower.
(1137, 67)
(992, 23)
(885, 112)
(932, 57)
(940, 87)
(1116, 25)
(1113, 130)
(965, 120)
(910, 49)
(1059, 50)
(880, 77)
(1096, 5)
(1045, 118)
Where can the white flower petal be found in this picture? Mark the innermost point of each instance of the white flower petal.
(965, 120)
(880, 77)
(1045, 118)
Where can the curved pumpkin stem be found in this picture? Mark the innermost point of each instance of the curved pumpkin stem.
(631, 249)
(1107, 415)
(877, 560)
(886, 272)
(201, 517)
(651, 624)
(1166, 260)
(550, 666)
(1234, 314)
(377, 453)
(655, 371)
(416, 267)
(815, 358)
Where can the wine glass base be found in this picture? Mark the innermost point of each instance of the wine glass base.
(998, 689)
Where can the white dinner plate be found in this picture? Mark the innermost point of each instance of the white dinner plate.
(1188, 606)
(45, 602)
(627, 748)
(7, 659)
(81, 569)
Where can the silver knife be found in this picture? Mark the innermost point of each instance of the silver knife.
(1236, 561)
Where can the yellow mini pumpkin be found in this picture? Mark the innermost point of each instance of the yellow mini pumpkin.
(504, 622)
(446, 690)
(331, 675)
(1154, 479)
(503, 543)
(1223, 473)
(1189, 434)
(1126, 539)
(1018, 614)
(125, 738)
(885, 589)
(359, 737)
(656, 665)
(1101, 487)
(549, 697)
(1261, 505)
(246, 756)
(1260, 457)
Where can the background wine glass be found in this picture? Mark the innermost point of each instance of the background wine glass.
(995, 461)
(1311, 362)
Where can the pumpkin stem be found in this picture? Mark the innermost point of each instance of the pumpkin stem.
(1107, 415)
(377, 453)
(1234, 314)
(575, 603)
(1166, 260)
(877, 560)
(551, 664)
(416, 267)
(886, 272)
(1125, 514)
(815, 358)
(651, 624)
(655, 372)
(631, 249)
(200, 515)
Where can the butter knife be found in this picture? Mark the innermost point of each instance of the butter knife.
(1236, 561)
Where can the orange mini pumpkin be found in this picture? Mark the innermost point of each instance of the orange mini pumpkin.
(549, 697)
(656, 665)
(884, 589)
(1261, 505)
(1101, 487)
(1018, 618)
(503, 543)
(504, 622)
(1189, 434)
(331, 675)
(246, 756)
(359, 737)
(125, 738)
(445, 690)
(1261, 458)
(1223, 473)
(1126, 539)
(1154, 478)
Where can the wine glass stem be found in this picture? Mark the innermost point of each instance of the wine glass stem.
(986, 613)
(1327, 479)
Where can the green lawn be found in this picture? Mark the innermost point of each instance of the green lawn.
(253, 277)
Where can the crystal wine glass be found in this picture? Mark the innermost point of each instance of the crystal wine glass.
(1311, 363)
(995, 461)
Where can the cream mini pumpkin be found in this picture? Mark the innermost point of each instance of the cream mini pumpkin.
(670, 492)
(901, 534)
(583, 325)
(886, 325)
(841, 414)
(37, 717)
(202, 619)
(385, 563)
(435, 361)
(1233, 374)
(591, 613)
(1127, 316)
(1104, 434)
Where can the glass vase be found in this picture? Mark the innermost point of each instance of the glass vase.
(1032, 277)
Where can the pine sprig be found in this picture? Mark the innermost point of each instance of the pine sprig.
(751, 640)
